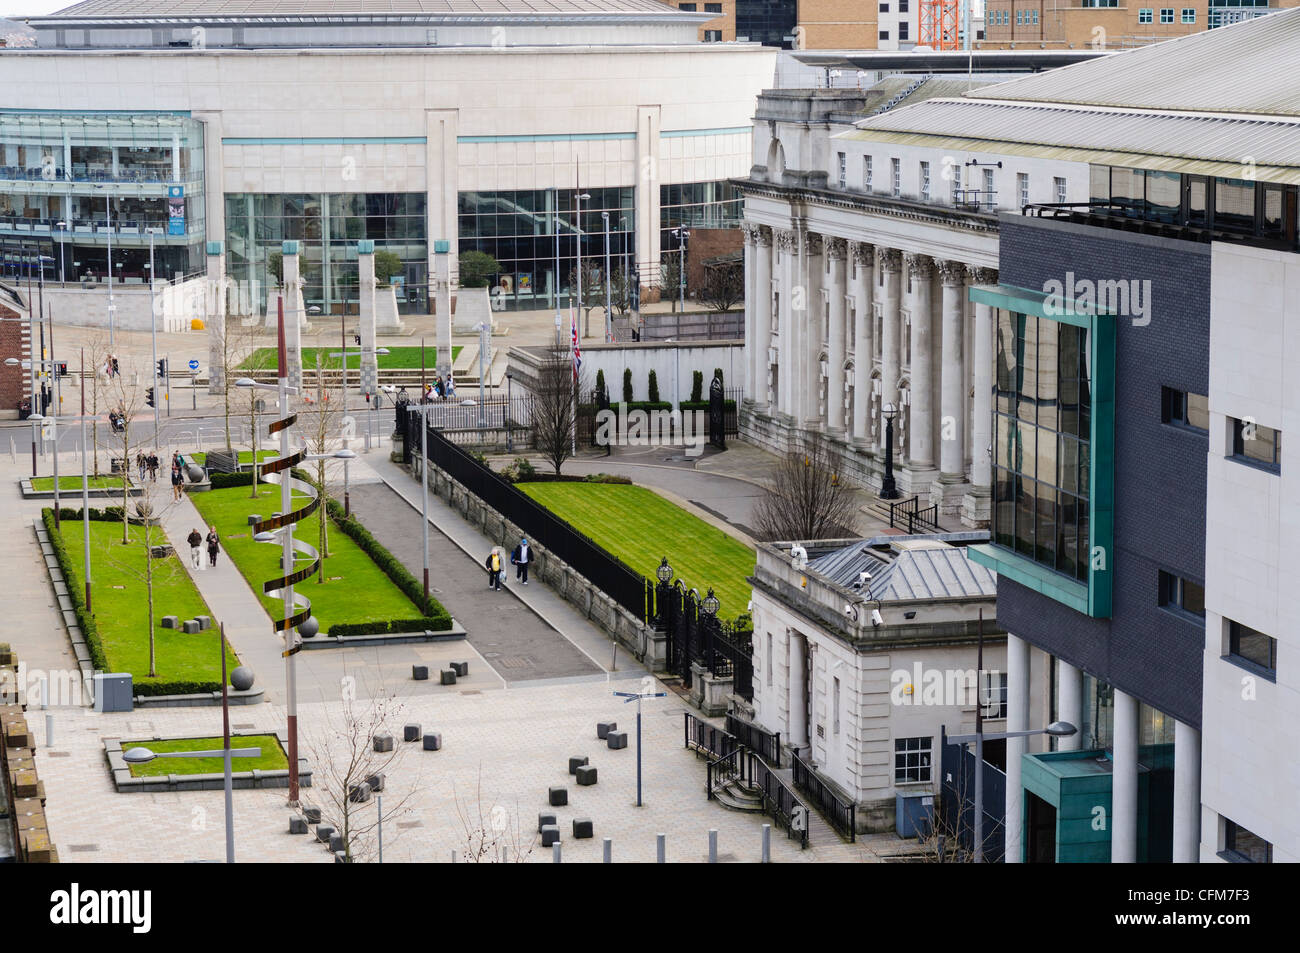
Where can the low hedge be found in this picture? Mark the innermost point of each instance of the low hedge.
(573, 478)
(646, 405)
(728, 405)
(89, 630)
(435, 619)
(393, 626)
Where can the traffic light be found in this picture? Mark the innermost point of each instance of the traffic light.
(162, 367)
(62, 368)
(148, 396)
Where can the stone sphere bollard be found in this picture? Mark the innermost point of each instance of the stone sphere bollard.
(241, 679)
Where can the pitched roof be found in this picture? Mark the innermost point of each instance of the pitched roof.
(218, 9)
(922, 568)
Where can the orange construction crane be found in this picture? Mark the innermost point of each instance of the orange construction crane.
(938, 24)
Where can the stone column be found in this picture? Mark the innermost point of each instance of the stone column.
(750, 232)
(863, 287)
(798, 687)
(762, 306)
(214, 314)
(977, 501)
(1069, 703)
(787, 245)
(442, 288)
(1017, 720)
(947, 491)
(366, 315)
(809, 340)
(1124, 781)
(837, 289)
(920, 424)
(291, 293)
(891, 322)
(1187, 794)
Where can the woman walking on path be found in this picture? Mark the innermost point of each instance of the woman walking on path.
(214, 545)
(493, 566)
(195, 541)
(178, 480)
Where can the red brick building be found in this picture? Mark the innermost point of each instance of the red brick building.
(15, 341)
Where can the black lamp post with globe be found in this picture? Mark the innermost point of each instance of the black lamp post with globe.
(888, 490)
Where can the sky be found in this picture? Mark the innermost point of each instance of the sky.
(17, 9)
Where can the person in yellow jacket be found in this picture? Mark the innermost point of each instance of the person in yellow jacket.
(493, 566)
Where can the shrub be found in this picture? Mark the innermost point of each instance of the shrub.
(600, 382)
(607, 478)
(727, 405)
(627, 386)
(524, 467)
(654, 388)
(222, 481)
(717, 372)
(434, 623)
(697, 386)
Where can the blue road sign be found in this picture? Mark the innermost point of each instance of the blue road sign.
(194, 365)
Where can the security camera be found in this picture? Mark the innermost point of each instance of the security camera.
(864, 577)
(851, 612)
(876, 618)
(799, 555)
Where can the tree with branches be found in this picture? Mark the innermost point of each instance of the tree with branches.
(670, 278)
(724, 285)
(348, 767)
(494, 836)
(807, 499)
(240, 355)
(593, 290)
(555, 406)
(98, 363)
(318, 428)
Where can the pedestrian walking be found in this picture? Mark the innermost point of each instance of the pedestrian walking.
(178, 480)
(141, 464)
(153, 466)
(214, 545)
(493, 566)
(195, 541)
(451, 387)
(521, 557)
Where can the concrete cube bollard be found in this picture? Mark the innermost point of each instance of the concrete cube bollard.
(545, 819)
(420, 673)
(448, 676)
(411, 732)
(550, 835)
(359, 793)
(586, 776)
(171, 622)
(336, 843)
(558, 797)
(204, 621)
(460, 668)
(376, 781)
(616, 740)
(191, 626)
(576, 763)
(383, 742)
(311, 813)
(254, 519)
(323, 833)
(582, 828)
(433, 741)
(341, 857)
(297, 825)
(603, 728)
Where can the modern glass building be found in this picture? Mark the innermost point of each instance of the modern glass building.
(72, 184)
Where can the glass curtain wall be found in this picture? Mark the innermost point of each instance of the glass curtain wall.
(258, 224)
(526, 230)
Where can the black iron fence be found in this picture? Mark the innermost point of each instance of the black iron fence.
(730, 652)
(908, 515)
(722, 771)
(842, 814)
(618, 580)
(778, 800)
(706, 738)
(766, 743)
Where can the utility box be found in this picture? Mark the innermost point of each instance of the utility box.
(913, 814)
(113, 692)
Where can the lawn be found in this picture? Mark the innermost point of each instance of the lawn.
(46, 484)
(640, 527)
(121, 607)
(245, 456)
(271, 759)
(397, 358)
(355, 590)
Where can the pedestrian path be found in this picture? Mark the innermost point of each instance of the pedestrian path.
(567, 624)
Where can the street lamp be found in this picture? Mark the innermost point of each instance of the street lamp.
(637, 696)
(112, 308)
(577, 217)
(347, 456)
(153, 327)
(681, 234)
(664, 571)
(888, 491)
(710, 604)
(379, 351)
(609, 323)
(63, 228)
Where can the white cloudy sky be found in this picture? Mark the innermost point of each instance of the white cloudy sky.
(17, 9)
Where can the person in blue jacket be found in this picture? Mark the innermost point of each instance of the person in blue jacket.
(521, 557)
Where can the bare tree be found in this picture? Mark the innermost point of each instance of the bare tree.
(318, 430)
(724, 285)
(593, 291)
(670, 278)
(125, 402)
(346, 765)
(240, 354)
(555, 407)
(99, 363)
(494, 837)
(807, 499)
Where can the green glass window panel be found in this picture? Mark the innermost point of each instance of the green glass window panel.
(1234, 204)
(1164, 195)
(1026, 518)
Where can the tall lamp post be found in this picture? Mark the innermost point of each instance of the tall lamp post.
(510, 443)
(153, 327)
(577, 222)
(63, 230)
(681, 234)
(609, 323)
(888, 490)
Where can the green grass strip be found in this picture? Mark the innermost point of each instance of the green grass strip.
(272, 757)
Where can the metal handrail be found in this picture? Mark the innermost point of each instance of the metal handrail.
(842, 814)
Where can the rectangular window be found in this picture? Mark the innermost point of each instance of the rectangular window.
(1035, 13)
(866, 173)
(925, 181)
(1181, 594)
(884, 35)
(884, 8)
(1058, 185)
(769, 654)
(1257, 650)
(1184, 409)
(836, 702)
(904, 30)
(912, 760)
(1020, 18)
(1022, 186)
(993, 694)
(712, 36)
(1166, 14)
(896, 170)
(903, 6)
(1256, 445)
(842, 161)
(713, 8)
(1189, 14)
(690, 7)
(989, 196)
(1144, 15)
(1243, 847)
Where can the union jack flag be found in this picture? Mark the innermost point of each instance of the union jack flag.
(577, 349)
